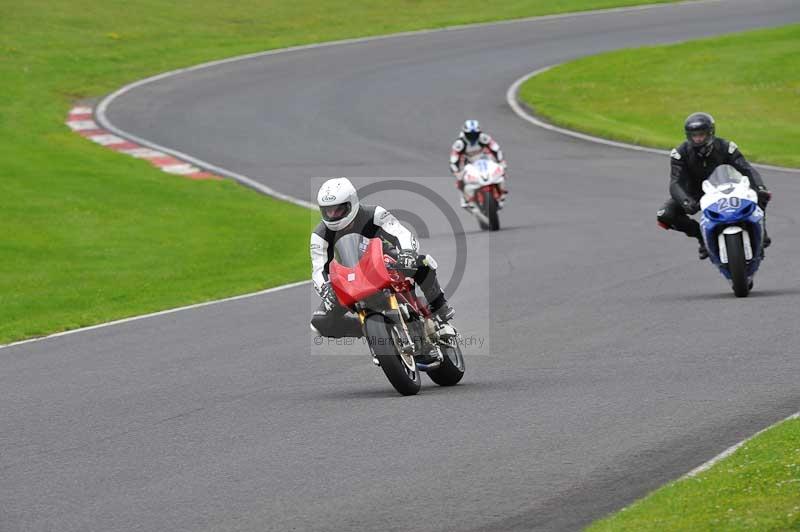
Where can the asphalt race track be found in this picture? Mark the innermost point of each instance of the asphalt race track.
(613, 359)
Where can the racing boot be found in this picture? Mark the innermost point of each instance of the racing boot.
(702, 252)
(445, 312)
(767, 240)
(693, 229)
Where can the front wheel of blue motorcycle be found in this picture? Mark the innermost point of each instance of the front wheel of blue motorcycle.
(737, 264)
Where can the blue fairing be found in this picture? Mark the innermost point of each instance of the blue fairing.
(720, 215)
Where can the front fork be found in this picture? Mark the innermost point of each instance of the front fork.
(405, 344)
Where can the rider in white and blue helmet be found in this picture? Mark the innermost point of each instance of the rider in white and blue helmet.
(471, 143)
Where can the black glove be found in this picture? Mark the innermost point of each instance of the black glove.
(328, 296)
(407, 261)
(764, 196)
(690, 206)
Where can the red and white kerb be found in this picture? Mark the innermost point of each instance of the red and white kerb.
(81, 121)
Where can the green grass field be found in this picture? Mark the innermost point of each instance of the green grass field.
(90, 235)
(756, 488)
(749, 82)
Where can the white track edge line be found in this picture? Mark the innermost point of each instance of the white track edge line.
(159, 313)
(101, 117)
(520, 111)
(733, 448)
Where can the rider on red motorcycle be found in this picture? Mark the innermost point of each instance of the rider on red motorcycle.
(342, 215)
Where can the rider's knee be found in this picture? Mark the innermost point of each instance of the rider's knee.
(334, 325)
(321, 323)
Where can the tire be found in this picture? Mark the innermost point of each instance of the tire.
(737, 264)
(378, 331)
(452, 369)
(490, 209)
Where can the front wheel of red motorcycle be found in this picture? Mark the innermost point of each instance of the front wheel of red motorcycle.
(401, 370)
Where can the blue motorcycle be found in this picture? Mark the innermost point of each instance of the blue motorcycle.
(733, 227)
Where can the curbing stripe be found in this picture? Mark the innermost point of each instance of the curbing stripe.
(82, 125)
(516, 106)
(80, 121)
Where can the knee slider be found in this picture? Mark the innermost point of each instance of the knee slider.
(664, 218)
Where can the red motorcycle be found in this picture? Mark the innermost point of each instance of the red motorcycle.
(403, 336)
(484, 185)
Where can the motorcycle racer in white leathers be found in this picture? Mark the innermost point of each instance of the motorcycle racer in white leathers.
(471, 144)
(342, 214)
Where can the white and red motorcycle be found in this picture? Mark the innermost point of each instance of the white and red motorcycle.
(484, 189)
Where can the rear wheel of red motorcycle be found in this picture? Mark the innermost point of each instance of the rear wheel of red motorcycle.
(401, 370)
(452, 369)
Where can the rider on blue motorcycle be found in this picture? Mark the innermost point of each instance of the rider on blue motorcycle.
(691, 163)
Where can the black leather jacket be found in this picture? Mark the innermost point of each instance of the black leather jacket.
(689, 169)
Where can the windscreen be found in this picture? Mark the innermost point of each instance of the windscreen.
(723, 175)
(349, 249)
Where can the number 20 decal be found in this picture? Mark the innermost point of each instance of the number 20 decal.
(726, 204)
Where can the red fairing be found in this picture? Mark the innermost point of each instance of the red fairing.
(494, 189)
(368, 277)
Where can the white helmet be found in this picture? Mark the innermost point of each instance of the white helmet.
(338, 202)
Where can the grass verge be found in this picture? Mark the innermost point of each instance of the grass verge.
(756, 488)
(89, 235)
(749, 82)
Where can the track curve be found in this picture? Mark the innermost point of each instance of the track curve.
(617, 360)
